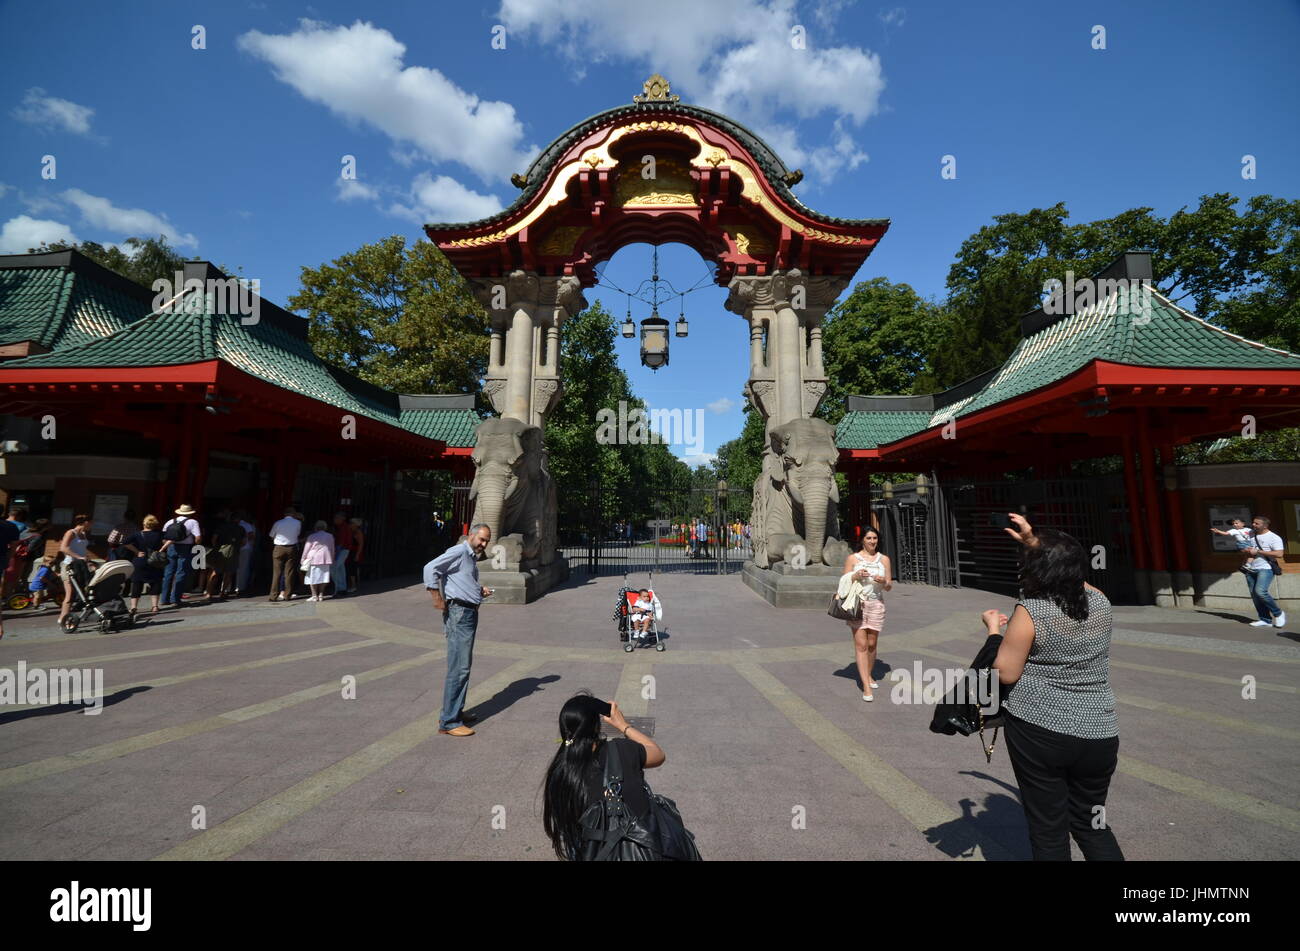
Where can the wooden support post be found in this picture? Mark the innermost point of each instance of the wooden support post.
(1150, 494)
(1174, 505)
(1134, 500)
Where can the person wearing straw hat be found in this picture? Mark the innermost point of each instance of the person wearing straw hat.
(183, 532)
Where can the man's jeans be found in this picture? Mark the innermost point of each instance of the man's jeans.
(460, 624)
(339, 573)
(1259, 582)
(176, 572)
(245, 568)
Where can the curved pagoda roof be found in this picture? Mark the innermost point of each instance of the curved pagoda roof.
(723, 190)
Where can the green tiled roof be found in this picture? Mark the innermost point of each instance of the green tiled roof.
(274, 349)
(455, 427)
(869, 430)
(1172, 338)
(63, 306)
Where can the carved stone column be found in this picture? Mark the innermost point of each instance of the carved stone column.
(560, 298)
(818, 295)
(512, 302)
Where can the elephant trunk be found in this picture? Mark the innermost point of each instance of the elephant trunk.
(490, 500)
(815, 504)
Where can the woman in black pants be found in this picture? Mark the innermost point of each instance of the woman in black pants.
(1061, 729)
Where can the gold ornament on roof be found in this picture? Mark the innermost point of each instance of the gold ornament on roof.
(672, 185)
(656, 90)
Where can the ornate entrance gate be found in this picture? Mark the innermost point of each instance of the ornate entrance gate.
(654, 172)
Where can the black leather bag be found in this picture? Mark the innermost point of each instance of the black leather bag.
(836, 610)
(958, 713)
(610, 833)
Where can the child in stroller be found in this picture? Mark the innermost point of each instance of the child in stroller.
(101, 597)
(638, 613)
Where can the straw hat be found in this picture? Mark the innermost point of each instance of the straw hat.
(185, 510)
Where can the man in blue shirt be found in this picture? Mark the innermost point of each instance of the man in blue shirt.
(452, 580)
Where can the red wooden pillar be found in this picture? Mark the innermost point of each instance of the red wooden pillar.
(1150, 494)
(201, 465)
(182, 480)
(1174, 505)
(1140, 560)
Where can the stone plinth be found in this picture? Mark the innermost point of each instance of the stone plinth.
(524, 586)
(784, 587)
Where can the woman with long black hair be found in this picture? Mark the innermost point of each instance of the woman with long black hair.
(1062, 732)
(573, 780)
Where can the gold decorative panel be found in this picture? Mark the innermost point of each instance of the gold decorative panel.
(561, 241)
(672, 185)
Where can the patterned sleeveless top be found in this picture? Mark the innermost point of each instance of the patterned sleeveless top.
(1065, 686)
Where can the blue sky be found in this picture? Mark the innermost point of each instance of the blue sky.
(234, 150)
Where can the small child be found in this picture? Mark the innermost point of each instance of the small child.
(643, 612)
(43, 577)
(1244, 538)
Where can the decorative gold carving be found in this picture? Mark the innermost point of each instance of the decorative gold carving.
(752, 242)
(592, 158)
(479, 241)
(672, 185)
(519, 181)
(716, 157)
(656, 89)
(827, 236)
(561, 240)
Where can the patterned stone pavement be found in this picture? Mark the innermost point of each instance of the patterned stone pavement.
(235, 714)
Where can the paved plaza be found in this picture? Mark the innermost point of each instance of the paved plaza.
(239, 709)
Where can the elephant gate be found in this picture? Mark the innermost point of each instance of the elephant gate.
(658, 171)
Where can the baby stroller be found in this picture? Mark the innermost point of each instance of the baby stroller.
(622, 614)
(101, 598)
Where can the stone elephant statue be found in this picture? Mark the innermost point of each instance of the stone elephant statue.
(795, 498)
(512, 492)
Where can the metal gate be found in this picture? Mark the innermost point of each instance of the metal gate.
(680, 529)
(1093, 510)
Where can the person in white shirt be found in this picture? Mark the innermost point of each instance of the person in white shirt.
(245, 553)
(176, 576)
(642, 612)
(1263, 566)
(284, 540)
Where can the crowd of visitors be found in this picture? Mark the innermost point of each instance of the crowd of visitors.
(185, 557)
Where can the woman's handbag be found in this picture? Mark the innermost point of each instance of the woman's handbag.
(610, 833)
(836, 610)
(156, 559)
(960, 711)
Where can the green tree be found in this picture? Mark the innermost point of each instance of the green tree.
(400, 317)
(877, 340)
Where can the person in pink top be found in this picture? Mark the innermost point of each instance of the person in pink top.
(318, 560)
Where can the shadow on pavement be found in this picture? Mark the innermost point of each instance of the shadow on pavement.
(1000, 824)
(51, 710)
(511, 694)
(879, 673)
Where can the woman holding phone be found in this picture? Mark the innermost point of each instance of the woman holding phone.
(1062, 732)
(574, 777)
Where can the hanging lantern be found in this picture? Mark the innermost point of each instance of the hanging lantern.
(681, 317)
(654, 341)
(629, 328)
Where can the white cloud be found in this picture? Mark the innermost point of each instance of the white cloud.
(701, 459)
(894, 17)
(738, 60)
(438, 199)
(23, 232)
(721, 406)
(101, 213)
(50, 111)
(358, 73)
(349, 189)
(6, 189)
